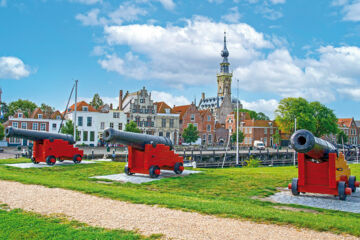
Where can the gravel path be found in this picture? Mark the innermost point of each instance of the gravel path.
(174, 224)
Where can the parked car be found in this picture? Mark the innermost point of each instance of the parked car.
(259, 145)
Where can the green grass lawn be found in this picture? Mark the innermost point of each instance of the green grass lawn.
(17, 224)
(223, 192)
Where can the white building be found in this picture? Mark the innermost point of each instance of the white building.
(91, 123)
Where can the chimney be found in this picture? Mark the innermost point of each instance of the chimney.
(203, 96)
(120, 99)
(111, 106)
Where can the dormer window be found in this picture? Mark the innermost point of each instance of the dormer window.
(58, 117)
(40, 116)
(167, 110)
(85, 108)
(20, 115)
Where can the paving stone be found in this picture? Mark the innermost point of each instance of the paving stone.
(143, 178)
(42, 164)
(351, 204)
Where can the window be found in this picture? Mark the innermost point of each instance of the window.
(209, 139)
(250, 140)
(85, 108)
(42, 127)
(167, 110)
(196, 125)
(89, 121)
(80, 121)
(116, 115)
(14, 140)
(35, 126)
(152, 124)
(120, 126)
(250, 129)
(167, 134)
(160, 134)
(265, 141)
(192, 117)
(271, 131)
(58, 117)
(15, 124)
(24, 125)
(171, 123)
(54, 126)
(208, 128)
(163, 123)
(20, 115)
(209, 118)
(102, 125)
(111, 125)
(265, 130)
(40, 116)
(92, 136)
(85, 136)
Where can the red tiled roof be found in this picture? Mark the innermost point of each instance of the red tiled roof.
(181, 110)
(161, 106)
(259, 123)
(80, 105)
(345, 121)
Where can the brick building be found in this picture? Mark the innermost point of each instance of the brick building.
(258, 130)
(37, 121)
(349, 127)
(203, 120)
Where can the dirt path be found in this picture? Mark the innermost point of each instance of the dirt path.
(174, 224)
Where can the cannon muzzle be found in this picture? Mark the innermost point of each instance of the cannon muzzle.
(303, 141)
(36, 135)
(135, 140)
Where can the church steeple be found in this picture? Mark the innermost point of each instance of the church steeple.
(224, 77)
(224, 66)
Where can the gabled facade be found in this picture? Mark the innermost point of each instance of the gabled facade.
(167, 122)
(349, 127)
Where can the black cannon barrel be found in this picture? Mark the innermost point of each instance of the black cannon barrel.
(36, 135)
(303, 141)
(135, 140)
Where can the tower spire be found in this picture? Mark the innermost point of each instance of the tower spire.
(225, 53)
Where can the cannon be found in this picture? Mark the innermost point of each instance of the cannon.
(48, 146)
(321, 168)
(147, 154)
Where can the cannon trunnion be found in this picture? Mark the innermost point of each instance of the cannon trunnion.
(321, 169)
(147, 154)
(48, 147)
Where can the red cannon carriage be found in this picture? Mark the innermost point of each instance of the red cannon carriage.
(147, 154)
(321, 169)
(48, 146)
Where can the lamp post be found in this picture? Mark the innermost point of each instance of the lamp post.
(293, 149)
(237, 123)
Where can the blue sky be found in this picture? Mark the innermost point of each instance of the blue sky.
(278, 48)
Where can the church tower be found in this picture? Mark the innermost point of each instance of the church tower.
(224, 77)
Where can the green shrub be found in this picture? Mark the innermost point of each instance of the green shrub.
(252, 162)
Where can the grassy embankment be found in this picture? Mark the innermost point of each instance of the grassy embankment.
(223, 192)
(17, 224)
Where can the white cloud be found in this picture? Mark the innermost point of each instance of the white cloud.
(336, 68)
(268, 12)
(339, 2)
(13, 68)
(261, 105)
(168, 98)
(353, 93)
(233, 16)
(352, 11)
(181, 55)
(168, 4)
(88, 2)
(216, 1)
(3, 3)
(277, 1)
(124, 13)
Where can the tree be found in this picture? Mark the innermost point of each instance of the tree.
(132, 127)
(190, 134)
(313, 116)
(2, 133)
(341, 137)
(325, 120)
(3, 114)
(96, 102)
(254, 115)
(25, 106)
(277, 137)
(47, 110)
(233, 137)
(291, 108)
(68, 128)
